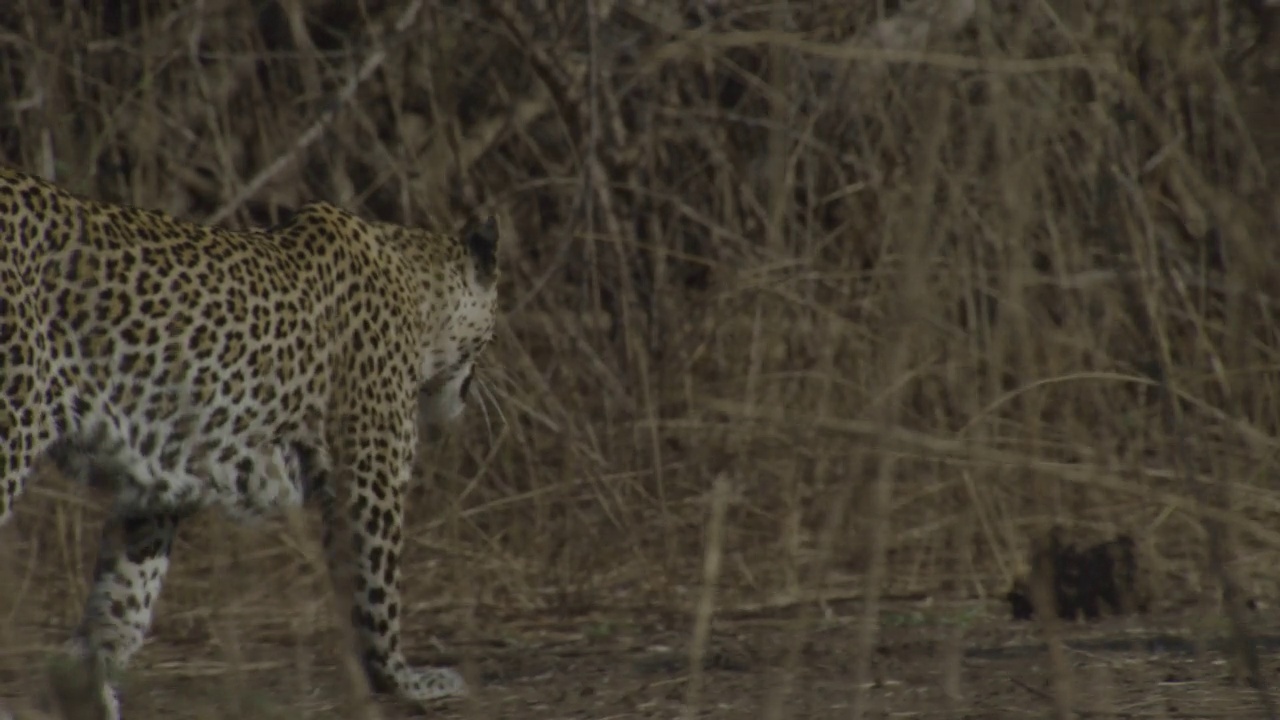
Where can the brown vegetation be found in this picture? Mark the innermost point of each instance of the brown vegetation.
(884, 306)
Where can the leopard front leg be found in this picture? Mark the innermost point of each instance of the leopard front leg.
(127, 578)
(366, 506)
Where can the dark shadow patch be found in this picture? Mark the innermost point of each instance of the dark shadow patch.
(1082, 581)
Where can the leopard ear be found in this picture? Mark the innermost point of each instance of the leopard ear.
(481, 239)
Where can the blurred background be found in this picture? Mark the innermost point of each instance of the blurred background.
(816, 316)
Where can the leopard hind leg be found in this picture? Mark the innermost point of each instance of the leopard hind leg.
(28, 425)
(127, 579)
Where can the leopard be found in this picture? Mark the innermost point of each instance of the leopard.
(178, 366)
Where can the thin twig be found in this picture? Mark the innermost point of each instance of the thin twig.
(317, 129)
(713, 553)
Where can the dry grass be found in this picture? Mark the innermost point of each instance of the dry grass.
(883, 313)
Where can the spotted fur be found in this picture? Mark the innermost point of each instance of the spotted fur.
(181, 366)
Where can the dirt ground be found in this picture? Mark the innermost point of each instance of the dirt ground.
(964, 661)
